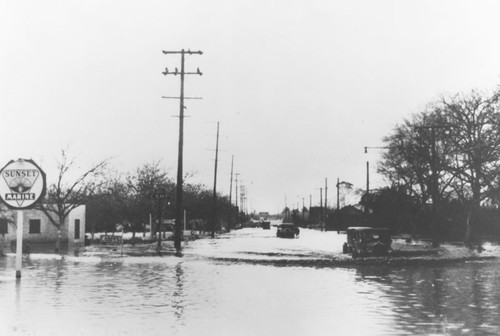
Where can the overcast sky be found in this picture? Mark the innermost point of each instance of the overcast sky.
(299, 87)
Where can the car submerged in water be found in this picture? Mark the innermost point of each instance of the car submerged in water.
(287, 230)
(367, 241)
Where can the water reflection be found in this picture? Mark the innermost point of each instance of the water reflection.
(440, 300)
(195, 296)
(178, 296)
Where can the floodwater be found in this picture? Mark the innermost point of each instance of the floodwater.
(221, 287)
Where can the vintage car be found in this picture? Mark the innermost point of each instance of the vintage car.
(287, 230)
(266, 225)
(367, 241)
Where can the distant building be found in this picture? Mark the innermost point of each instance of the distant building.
(38, 230)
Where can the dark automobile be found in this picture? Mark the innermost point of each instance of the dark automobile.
(266, 225)
(287, 230)
(367, 241)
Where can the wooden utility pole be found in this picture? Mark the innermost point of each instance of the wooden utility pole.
(368, 175)
(321, 208)
(179, 189)
(214, 211)
(367, 178)
(326, 203)
(236, 198)
(236, 190)
(367, 186)
(303, 207)
(229, 224)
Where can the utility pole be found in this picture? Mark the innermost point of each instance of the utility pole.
(236, 198)
(179, 190)
(243, 199)
(285, 215)
(303, 207)
(214, 213)
(367, 186)
(230, 196)
(368, 171)
(326, 202)
(321, 209)
(367, 178)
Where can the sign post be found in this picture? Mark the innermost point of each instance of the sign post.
(19, 244)
(120, 227)
(159, 194)
(22, 185)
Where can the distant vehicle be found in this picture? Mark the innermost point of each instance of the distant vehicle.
(367, 241)
(265, 225)
(287, 230)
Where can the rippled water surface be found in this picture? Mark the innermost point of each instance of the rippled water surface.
(201, 294)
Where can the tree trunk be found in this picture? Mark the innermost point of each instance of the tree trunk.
(58, 240)
(62, 219)
(470, 232)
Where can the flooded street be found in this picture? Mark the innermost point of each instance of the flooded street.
(220, 287)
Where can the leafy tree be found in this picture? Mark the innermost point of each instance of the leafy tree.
(147, 180)
(393, 208)
(108, 206)
(198, 202)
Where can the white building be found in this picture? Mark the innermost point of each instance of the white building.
(38, 230)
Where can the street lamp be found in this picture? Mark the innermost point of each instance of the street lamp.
(368, 172)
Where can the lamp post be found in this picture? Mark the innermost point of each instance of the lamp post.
(340, 217)
(368, 173)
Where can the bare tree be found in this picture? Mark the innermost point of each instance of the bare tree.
(450, 151)
(416, 161)
(63, 197)
(474, 138)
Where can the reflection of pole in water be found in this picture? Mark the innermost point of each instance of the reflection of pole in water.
(438, 291)
(177, 300)
(19, 242)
